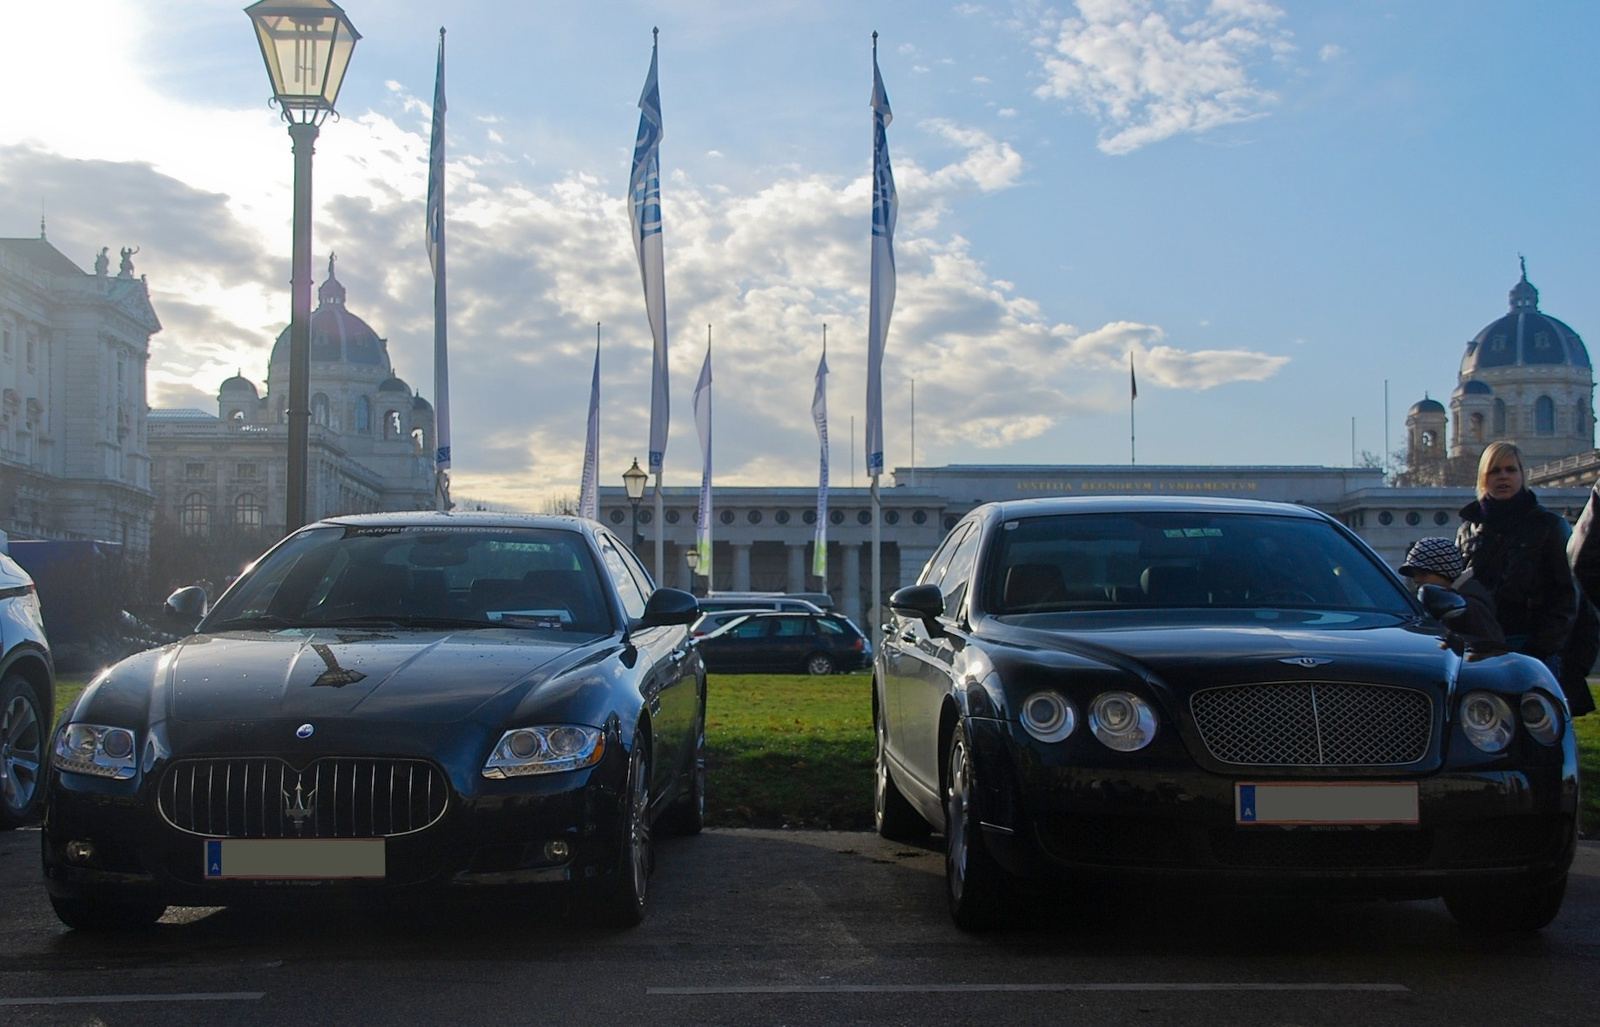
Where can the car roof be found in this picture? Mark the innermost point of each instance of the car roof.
(465, 519)
(1045, 506)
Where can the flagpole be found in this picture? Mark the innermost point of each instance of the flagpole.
(436, 249)
(880, 302)
(644, 195)
(819, 416)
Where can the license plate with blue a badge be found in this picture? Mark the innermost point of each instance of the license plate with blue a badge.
(293, 859)
(1352, 803)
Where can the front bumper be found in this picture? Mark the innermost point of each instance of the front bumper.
(1170, 819)
(496, 838)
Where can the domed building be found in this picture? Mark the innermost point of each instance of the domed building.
(1525, 378)
(371, 438)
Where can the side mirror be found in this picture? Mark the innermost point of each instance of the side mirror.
(1442, 604)
(669, 606)
(187, 606)
(925, 602)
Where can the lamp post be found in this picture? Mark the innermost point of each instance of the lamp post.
(306, 45)
(633, 480)
(692, 557)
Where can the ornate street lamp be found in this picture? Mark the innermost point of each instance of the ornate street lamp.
(633, 480)
(306, 45)
(691, 556)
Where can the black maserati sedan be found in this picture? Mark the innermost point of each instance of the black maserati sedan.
(1083, 693)
(386, 706)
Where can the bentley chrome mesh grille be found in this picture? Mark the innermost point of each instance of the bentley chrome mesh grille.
(1314, 724)
(334, 797)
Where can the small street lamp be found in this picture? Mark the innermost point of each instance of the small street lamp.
(306, 45)
(633, 479)
(692, 557)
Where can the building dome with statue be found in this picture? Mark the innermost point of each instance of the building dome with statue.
(1525, 378)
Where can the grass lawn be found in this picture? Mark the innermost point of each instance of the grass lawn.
(795, 751)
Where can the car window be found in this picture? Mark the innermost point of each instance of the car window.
(953, 584)
(791, 627)
(754, 627)
(628, 590)
(831, 626)
(940, 561)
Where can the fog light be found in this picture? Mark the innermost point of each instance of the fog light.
(80, 852)
(556, 852)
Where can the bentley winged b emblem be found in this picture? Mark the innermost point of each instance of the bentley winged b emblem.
(1304, 661)
(300, 807)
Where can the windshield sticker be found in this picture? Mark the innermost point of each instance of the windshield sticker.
(552, 619)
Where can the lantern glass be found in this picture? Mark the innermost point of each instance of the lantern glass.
(307, 46)
(633, 479)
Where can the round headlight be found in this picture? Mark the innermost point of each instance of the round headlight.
(80, 741)
(117, 744)
(566, 742)
(1540, 718)
(523, 744)
(1048, 717)
(1486, 719)
(1122, 721)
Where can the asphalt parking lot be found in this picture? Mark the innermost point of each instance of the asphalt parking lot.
(756, 927)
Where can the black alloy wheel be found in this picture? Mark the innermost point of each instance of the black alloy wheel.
(619, 901)
(23, 729)
(974, 883)
(895, 818)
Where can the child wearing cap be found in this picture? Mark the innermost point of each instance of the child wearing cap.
(1437, 561)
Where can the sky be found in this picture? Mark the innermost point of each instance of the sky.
(1293, 215)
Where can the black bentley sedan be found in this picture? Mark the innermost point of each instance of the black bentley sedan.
(383, 706)
(1212, 693)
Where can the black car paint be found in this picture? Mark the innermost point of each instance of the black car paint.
(936, 671)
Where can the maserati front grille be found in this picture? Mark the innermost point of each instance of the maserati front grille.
(334, 797)
(1314, 724)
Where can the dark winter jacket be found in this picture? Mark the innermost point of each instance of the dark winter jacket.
(1518, 550)
(1478, 622)
(1583, 553)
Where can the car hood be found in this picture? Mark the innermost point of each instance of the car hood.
(403, 676)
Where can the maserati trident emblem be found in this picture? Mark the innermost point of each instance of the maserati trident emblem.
(1304, 661)
(299, 807)
(304, 731)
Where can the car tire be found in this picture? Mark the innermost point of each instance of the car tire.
(975, 884)
(89, 915)
(620, 896)
(24, 728)
(1501, 908)
(895, 818)
(819, 663)
(687, 816)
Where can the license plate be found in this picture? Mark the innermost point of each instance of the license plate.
(1316, 802)
(289, 859)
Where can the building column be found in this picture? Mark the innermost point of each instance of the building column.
(797, 566)
(850, 556)
(741, 566)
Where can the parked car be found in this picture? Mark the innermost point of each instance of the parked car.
(1210, 692)
(723, 601)
(777, 642)
(27, 696)
(384, 706)
(716, 619)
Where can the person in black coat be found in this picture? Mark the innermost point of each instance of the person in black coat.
(1437, 561)
(1518, 549)
(1583, 553)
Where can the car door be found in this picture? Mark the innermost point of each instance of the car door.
(929, 668)
(789, 642)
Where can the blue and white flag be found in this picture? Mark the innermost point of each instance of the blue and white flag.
(885, 205)
(589, 491)
(435, 241)
(644, 191)
(702, 423)
(819, 414)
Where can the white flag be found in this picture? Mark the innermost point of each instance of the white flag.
(644, 190)
(885, 205)
(819, 414)
(702, 423)
(589, 492)
(435, 241)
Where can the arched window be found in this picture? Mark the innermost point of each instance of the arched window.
(363, 414)
(319, 409)
(1499, 417)
(195, 516)
(236, 417)
(391, 424)
(1544, 416)
(283, 409)
(419, 441)
(247, 511)
(1475, 428)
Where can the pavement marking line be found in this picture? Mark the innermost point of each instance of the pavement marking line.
(193, 996)
(869, 989)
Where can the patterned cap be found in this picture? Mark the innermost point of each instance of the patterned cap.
(1438, 555)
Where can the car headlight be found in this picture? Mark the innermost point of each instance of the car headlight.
(1122, 721)
(96, 750)
(1540, 718)
(1486, 718)
(547, 749)
(1048, 717)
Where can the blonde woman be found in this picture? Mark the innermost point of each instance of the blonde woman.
(1518, 549)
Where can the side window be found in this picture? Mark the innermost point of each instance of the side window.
(830, 626)
(791, 627)
(959, 572)
(640, 575)
(940, 563)
(627, 588)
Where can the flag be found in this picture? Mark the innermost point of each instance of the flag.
(435, 242)
(819, 414)
(885, 205)
(1133, 382)
(589, 492)
(644, 190)
(702, 423)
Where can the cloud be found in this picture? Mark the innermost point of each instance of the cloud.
(1146, 77)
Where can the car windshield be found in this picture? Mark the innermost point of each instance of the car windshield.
(1182, 559)
(423, 577)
